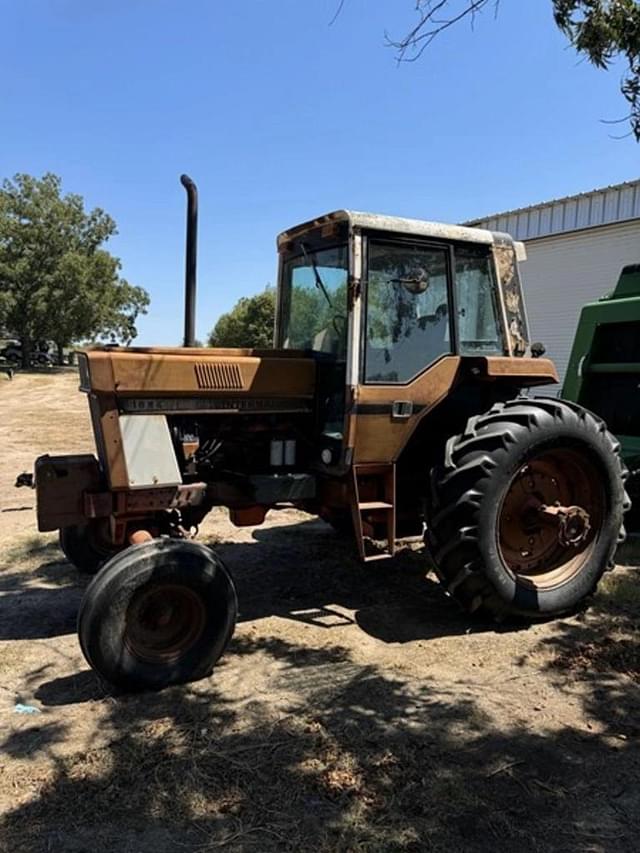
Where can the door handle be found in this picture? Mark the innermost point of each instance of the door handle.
(401, 408)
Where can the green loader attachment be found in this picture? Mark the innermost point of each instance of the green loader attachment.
(604, 372)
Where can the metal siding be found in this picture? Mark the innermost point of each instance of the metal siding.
(565, 271)
(584, 209)
(587, 210)
(570, 215)
(534, 221)
(611, 206)
(625, 209)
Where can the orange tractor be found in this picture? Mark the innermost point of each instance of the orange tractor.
(391, 406)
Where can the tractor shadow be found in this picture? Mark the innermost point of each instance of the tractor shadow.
(357, 755)
(307, 573)
(362, 758)
(303, 572)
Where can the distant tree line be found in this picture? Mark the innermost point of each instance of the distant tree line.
(57, 281)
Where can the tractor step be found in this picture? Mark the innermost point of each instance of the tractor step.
(369, 505)
(374, 488)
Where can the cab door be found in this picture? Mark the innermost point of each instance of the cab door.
(426, 304)
(408, 349)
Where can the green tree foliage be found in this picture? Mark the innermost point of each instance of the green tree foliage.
(310, 314)
(600, 30)
(56, 281)
(249, 323)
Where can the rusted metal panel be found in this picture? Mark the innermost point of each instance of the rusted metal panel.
(509, 280)
(133, 371)
(153, 500)
(394, 224)
(61, 482)
(536, 371)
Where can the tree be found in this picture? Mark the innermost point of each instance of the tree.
(600, 30)
(56, 281)
(250, 323)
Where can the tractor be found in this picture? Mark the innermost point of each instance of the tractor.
(394, 404)
(603, 373)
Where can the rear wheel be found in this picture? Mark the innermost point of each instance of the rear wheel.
(159, 613)
(527, 508)
(86, 546)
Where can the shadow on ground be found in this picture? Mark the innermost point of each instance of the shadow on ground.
(360, 761)
(42, 602)
(303, 572)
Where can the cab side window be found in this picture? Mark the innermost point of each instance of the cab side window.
(407, 315)
(479, 330)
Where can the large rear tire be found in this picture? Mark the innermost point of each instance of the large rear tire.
(527, 509)
(159, 613)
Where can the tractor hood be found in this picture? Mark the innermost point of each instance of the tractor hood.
(198, 380)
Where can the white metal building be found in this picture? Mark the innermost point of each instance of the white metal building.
(576, 247)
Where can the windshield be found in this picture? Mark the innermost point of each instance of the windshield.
(314, 301)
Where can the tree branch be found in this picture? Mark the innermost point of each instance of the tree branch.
(337, 13)
(430, 25)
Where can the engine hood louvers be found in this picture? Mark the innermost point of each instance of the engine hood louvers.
(218, 376)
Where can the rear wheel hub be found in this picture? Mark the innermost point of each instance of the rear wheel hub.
(549, 518)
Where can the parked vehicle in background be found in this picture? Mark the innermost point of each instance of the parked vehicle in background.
(40, 356)
(604, 371)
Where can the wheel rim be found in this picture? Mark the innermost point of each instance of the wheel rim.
(163, 622)
(550, 518)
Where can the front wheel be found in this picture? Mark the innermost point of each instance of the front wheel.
(86, 546)
(156, 614)
(527, 508)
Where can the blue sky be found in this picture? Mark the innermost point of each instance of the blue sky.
(279, 117)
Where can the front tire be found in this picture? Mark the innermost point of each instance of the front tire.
(85, 547)
(159, 613)
(527, 508)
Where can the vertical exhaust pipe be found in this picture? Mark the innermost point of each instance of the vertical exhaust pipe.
(190, 263)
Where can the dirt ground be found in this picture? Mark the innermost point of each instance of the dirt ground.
(355, 710)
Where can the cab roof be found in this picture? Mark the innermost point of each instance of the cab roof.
(397, 224)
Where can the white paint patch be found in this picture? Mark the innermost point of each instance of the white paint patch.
(148, 451)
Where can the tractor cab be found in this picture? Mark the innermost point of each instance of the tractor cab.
(389, 307)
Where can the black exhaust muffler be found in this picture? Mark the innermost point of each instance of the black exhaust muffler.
(190, 263)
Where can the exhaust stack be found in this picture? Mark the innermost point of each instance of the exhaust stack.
(190, 263)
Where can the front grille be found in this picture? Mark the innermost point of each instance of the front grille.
(218, 376)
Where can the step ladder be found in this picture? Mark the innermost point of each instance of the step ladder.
(374, 490)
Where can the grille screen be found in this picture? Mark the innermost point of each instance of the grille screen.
(218, 376)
